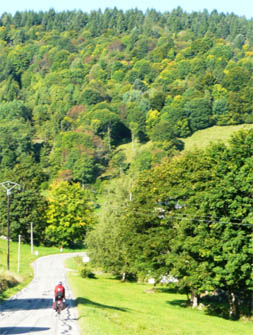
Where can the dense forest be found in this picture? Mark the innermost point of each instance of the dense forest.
(75, 86)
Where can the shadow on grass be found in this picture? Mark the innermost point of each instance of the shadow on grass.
(84, 301)
(166, 290)
(215, 306)
(217, 309)
(179, 303)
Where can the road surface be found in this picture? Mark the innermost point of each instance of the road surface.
(30, 310)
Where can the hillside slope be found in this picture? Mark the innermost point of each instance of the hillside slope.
(204, 137)
(198, 140)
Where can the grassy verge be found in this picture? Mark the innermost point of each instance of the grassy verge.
(12, 281)
(108, 307)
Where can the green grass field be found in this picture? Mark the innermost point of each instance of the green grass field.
(203, 138)
(109, 307)
(199, 140)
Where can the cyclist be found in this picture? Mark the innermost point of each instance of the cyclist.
(59, 293)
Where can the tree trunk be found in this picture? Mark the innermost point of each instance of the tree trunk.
(123, 278)
(233, 306)
(195, 300)
(109, 138)
(132, 138)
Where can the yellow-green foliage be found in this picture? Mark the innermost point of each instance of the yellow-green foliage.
(68, 214)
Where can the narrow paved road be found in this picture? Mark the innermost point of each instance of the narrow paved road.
(30, 311)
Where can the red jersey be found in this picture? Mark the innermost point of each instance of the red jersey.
(59, 288)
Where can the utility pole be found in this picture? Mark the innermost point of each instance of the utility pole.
(31, 238)
(8, 186)
(19, 244)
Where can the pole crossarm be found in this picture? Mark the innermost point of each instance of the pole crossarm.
(9, 185)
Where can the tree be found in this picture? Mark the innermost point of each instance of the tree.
(134, 131)
(118, 163)
(108, 125)
(27, 205)
(91, 97)
(152, 119)
(236, 78)
(16, 139)
(162, 131)
(109, 242)
(81, 152)
(83, 167)
(14, 110)
(157, 101)
(137, 118)
(220, 110)
(69, 215)
(139, 85)
(199, 112)
(193, 217)
(142, 161)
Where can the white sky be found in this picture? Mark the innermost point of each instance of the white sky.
(238, 7)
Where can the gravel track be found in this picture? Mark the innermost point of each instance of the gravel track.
(30, 310)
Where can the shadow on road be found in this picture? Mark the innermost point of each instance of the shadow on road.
(83, 301)
(29, 304)
(21, 330)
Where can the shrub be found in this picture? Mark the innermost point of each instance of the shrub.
(86, 272)
(7, 282)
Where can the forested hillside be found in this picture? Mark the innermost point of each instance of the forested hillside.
(75, 86)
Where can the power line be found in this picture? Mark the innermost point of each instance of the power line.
(204, 216)
(187, 216)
